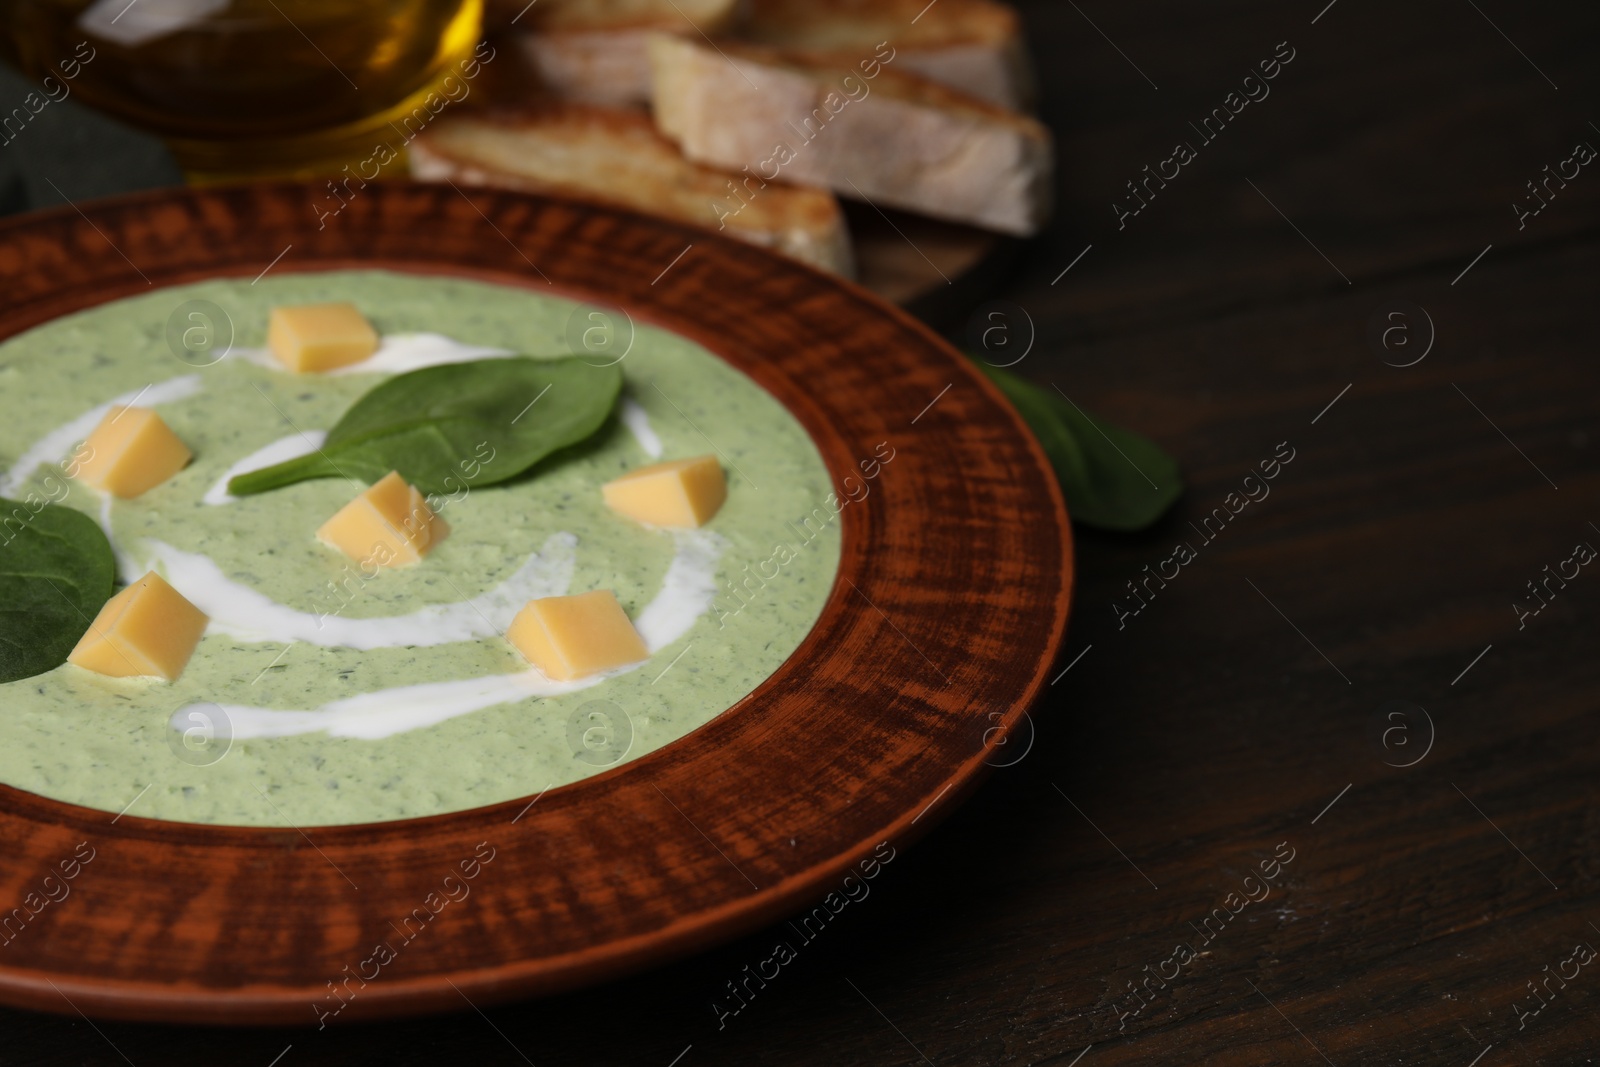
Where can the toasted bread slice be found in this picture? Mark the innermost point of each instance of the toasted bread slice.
(610, 67)
(567, 16)
(618, 157)
(971, 45)
(868, 132)
(597, 51)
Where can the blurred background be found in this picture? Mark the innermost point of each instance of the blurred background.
(558, 96)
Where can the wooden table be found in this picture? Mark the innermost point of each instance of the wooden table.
(1265, 701)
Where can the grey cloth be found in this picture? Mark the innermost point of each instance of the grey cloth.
(81, 152)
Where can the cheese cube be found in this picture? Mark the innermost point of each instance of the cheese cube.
(680, 492)
(319, 337)
(131, 451)
(569, 637)
(148, 629)
(388, 524)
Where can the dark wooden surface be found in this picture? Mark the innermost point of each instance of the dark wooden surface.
(1210, 729)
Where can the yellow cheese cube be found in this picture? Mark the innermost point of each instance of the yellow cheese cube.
(388, 524)
(131, 451)
(319, 337)
(148, 629)
(680, 492)
(569, 637)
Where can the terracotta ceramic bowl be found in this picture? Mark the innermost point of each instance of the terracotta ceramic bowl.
(950, 605)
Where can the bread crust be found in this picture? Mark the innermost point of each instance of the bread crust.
(616, 156)
(974, 46)
(889, 138)
(566, 16)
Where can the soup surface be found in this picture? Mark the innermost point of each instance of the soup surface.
(321, 694)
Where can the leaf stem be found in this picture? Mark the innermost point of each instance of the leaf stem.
(279, 475)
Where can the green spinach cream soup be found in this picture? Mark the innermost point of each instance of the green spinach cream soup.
(323, 692)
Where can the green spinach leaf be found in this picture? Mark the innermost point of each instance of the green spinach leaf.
(56, 573)
(441, 427)
(1113, 479)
